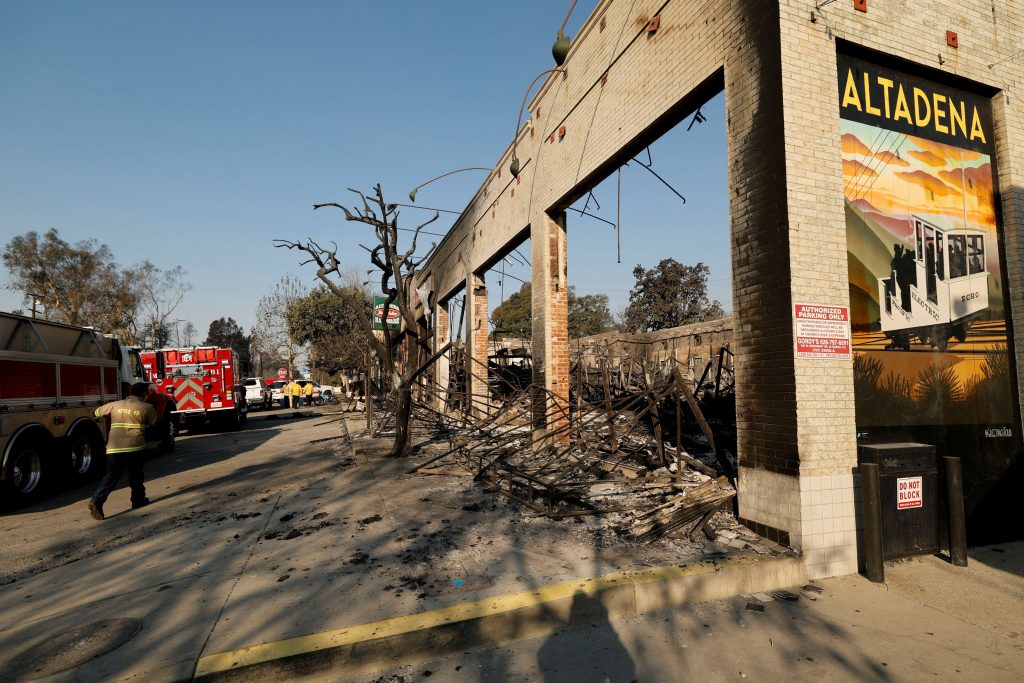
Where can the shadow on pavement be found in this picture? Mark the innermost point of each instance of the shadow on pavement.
(190, 452)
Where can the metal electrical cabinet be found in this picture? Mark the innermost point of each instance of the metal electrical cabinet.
(909, 497)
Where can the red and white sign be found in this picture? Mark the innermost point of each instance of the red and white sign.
(282, 373)
(822, 331)
(909, 493)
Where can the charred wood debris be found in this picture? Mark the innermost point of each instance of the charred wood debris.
(638, 442)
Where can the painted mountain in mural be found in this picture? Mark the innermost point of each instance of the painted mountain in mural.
(869, 254)
(899, 227)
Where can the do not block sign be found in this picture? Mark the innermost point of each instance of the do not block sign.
(909, 493)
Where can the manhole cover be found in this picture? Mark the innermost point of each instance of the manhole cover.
(68, 650)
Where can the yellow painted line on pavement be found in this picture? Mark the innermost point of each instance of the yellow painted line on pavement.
(280, 649)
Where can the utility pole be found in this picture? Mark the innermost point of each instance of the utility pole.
(35, 302)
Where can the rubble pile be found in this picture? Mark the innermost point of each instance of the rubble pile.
(632, 443)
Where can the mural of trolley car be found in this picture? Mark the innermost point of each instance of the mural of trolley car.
(936, 289)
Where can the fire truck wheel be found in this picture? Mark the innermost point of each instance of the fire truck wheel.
(27, 472)
(168, 432)
(231, 420)
(86, 452)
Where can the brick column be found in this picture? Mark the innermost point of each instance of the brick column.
(550, 292)
(442, 334)
(476, 310)
(768, 452)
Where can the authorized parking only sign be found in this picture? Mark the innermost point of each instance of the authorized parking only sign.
(822, 331)
(909, 493)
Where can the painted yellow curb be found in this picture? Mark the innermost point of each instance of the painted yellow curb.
(280, 649)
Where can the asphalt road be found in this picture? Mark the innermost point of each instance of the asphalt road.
(208, 476)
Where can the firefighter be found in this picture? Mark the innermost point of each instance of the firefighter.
(126, 445)
(307, 391)
(296, 393)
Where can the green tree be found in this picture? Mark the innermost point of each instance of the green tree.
(226, 333)
(79, 284)
(669, 295)
(331, 325)
(588, 314)
(513, 317)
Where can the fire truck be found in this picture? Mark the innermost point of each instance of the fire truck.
(205, 383)
(52, 377)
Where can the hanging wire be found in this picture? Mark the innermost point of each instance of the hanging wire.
(569, 13)
(429, 208)
(1010, 58)
(698, 117)
(618, 217)
(649, 168)
(519, 121)
(517, 279)
(590, 215)
(830, 30)
(514, 258)
(423, 232)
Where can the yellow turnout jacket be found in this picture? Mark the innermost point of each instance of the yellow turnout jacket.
(128, 421)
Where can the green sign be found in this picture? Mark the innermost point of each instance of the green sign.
(394, 316)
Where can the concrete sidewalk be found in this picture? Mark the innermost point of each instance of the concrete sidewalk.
(312, 556)
(435, 564)
(307, 535)
(931, 622)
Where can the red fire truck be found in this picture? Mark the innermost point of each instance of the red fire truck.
(205, 382)
(52, 377)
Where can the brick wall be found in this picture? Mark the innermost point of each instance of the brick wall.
(689, 346)
(777, 64)
(442, 368)
(476, 309)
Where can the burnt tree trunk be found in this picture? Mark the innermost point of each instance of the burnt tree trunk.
(403, 423)
(397, 272)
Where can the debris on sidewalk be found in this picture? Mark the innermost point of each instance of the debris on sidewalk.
(633, 446)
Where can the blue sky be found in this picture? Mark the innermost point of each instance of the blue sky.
(194, 133)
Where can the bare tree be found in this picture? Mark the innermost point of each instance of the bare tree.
(274, 339)
(160, 293)
(396, 282)
(188, 334)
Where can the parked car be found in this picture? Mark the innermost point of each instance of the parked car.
(277, 396)
(321, 394)
(256, 392)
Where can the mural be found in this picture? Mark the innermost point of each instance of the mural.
(927, 299)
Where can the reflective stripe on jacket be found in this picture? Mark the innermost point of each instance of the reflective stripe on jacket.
(128, 421)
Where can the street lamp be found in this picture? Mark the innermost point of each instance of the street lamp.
(560, 50)
(514, 166)
(412, 193)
